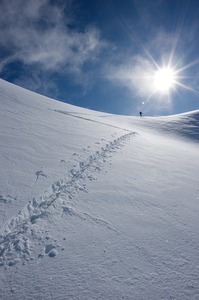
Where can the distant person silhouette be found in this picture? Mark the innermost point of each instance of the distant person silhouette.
(140, 114)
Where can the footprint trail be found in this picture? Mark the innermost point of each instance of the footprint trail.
(16, 240)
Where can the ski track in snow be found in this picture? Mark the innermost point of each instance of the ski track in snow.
(84, 117)
(24, 231)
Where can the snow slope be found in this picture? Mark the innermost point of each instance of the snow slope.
(94, 205)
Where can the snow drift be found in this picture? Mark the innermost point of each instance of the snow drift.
(94, 205)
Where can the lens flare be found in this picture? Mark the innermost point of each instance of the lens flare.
(164, 80)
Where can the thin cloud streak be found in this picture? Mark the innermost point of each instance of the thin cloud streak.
(132, 74)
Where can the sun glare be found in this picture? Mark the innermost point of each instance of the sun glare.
(164, 80)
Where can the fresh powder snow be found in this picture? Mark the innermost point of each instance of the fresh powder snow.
(94, 205)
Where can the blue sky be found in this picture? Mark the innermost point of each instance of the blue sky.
(107, 55)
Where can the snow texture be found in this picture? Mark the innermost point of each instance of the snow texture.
(94, 205)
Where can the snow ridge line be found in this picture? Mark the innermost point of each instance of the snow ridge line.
(15, 240)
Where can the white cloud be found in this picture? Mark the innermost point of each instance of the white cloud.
(135, 74)
(38, 32)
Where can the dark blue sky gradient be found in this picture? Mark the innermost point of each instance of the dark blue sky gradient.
(102, 54)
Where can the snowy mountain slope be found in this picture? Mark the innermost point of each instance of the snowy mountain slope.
(183, 126)
(96, 206)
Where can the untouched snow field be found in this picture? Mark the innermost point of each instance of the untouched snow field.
(94, 205)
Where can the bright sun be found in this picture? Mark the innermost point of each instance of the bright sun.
(164, 80)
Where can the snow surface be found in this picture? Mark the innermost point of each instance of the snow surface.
(94, 205)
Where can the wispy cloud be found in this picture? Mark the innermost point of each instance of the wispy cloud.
(41, 33)
(134, 73)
